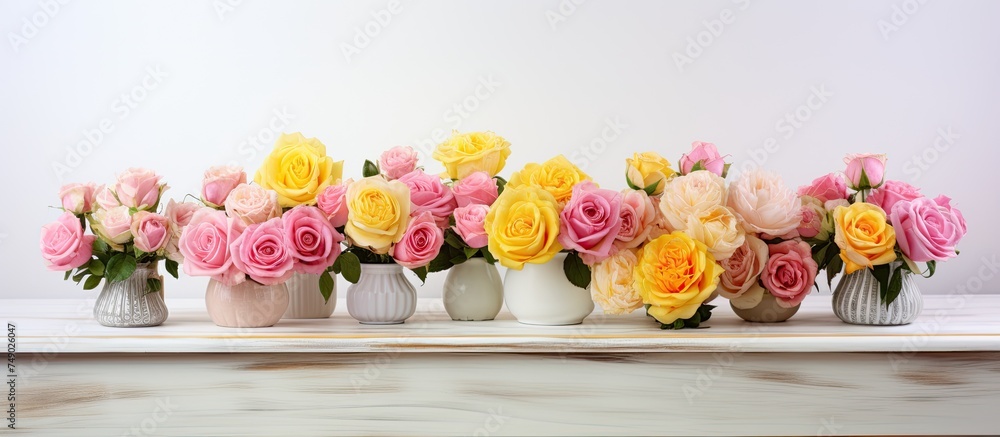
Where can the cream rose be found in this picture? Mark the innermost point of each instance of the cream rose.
(764, 203)
(719, 229)
(612, 284)
(691, 194)
(742, 270)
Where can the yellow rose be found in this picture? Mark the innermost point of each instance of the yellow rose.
(378, 212)
(612, 283)
(645, 169)
(674, 275)
(864, 237)
(464, 154)
(522, 226)
(557, 176)
(298, 170)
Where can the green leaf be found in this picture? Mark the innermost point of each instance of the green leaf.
(171, 266)
(501, 184)
(80, 274)
(725, 170)
(350, 267)
(100, 247)
(631, 185)
(453, 240)
(819, 254)
(881, 274)
(576, 271)
(120, 267)
(931, 267)
(651, 188)
(697, 166)
(442, 261)
(489, 256)
(96, 267)
(895, 286)
(833, 269)
(153, 285)
(326, 284)
(421, 273)
(92, 283)
(370, 169)
(69, 273)
(469, 252)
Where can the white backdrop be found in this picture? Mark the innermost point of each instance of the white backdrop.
(790, 85)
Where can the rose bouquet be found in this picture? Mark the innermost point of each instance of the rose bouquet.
(885, 226)
(127, 230)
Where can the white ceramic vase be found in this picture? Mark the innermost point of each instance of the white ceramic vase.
(540, 294)
(382, 296)
(247, 305)
(129, 304)
(305, 300)
(473, 291)
(857, 301)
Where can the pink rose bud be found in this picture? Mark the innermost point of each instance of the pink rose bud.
(78, 198)
(139, 188)
(469, 224)
(420, 244)
(251, 204)
(790, 272)
(180, 214)
(476, 188)
(428, 194)
(218, 182)
(928, 230)
(638, 217)
(333, 202)
(263, 254)
(398, 161)
(150, 231)
(590, 222)
(865, 170)
(891, 193)
(826, 188)
(204, 245)
(105, 197)
(313, 241)
(707, 155)
(63, 244)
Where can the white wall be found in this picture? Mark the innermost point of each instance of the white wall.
(555, 89)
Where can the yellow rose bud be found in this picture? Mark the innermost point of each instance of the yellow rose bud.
(378, 212)
(298, 170)
(464, 154)
(646, 169)
(522, 226)
(557, 176)
(864, 237)
(674, 275)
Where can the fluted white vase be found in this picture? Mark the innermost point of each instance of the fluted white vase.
(473, 291)
(856, 300)
(129, 303)
(305, 301)
(382, 296)
(540, 294)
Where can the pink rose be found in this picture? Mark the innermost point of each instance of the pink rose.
(63, 244)
(333, 202)
(251, 204)
(139, 188)
(826, 188)
(180, 214)
(150, 231)
(892, 192)
(469, 224)
(638, 216)
(706, 154)
(78, 198)
(420, 244)
(815, 219)
(105, 197)
(590, 222)
(928, 230)
(867, 166)
(476, 188)
(398, 161)
(743, 268)
(204, 245)
(262, 253)
(790, 272)
(428, 194)
(218, 182)
(314, 242)
(114, 225)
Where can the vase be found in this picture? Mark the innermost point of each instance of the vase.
(305, 301)
(767, 311)
(473, 291)
(246, 305)
(382, 296)
(857, 301)
(129, 303)
(540, 294)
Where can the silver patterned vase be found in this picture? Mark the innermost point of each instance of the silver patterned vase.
(856, 300)
(129, 304)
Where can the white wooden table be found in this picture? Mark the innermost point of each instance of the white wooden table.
(610, 376)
